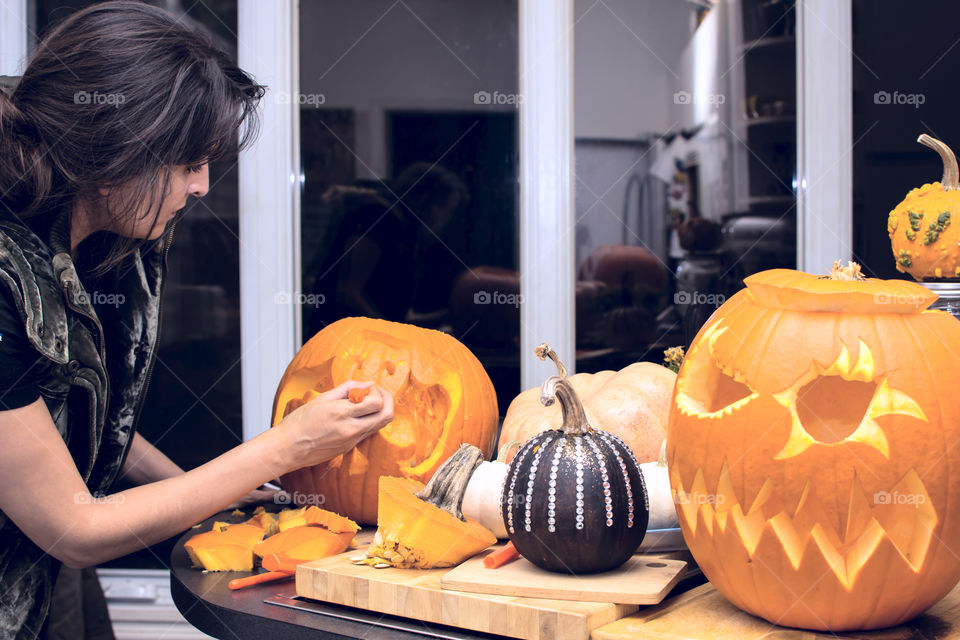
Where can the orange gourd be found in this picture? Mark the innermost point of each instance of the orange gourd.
(923, 236)
(633, 404)
(443, 398)
(423, 527)
(811, 449)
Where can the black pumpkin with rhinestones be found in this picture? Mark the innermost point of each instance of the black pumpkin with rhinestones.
(574, 500)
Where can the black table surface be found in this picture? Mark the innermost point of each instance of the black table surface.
(205, 600)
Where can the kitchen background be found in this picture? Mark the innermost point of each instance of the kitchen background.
(685, 161)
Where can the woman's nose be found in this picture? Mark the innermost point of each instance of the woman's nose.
(200, 182)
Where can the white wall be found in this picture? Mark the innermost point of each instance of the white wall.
(625, 63)
(419, 54)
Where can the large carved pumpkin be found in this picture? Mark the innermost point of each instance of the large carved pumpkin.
(812, 450)
(633, 404)
(443, 398)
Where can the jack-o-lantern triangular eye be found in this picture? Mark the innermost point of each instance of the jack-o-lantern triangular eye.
(712, 392)
(708, 388)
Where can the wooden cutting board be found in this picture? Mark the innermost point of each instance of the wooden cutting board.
(417, 594)
(704, 613)
(641, 580)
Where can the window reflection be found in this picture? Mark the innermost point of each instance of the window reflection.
(685, 163)
(409, 202)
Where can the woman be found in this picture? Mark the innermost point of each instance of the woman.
(106, 135)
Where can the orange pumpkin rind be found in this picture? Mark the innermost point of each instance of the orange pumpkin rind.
(413, 533)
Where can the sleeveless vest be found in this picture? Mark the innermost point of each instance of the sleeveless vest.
(96, 344)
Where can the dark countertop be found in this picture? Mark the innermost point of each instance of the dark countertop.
(209, 605)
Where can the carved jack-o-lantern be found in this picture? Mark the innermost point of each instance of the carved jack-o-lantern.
(813, 450)
(443, 398)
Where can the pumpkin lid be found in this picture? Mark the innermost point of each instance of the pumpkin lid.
(799, 291)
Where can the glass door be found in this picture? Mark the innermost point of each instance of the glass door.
(408, 147)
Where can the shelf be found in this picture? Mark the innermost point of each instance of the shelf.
(752, 122)
(774, 41)
(770, 199)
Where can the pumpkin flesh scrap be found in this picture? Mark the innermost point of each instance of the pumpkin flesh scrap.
(305, 543)
(229, 549)
(429, 531)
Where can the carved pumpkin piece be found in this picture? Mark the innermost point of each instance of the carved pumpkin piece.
(807, 451)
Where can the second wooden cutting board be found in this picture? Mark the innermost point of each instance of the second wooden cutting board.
(641, 580)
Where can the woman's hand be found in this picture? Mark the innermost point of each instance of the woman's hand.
(330, 424)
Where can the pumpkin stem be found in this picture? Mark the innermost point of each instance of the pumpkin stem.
(544, 351)
(951, 174)
(505, 449)
(574, 417)
(849, 272)
(447, 486)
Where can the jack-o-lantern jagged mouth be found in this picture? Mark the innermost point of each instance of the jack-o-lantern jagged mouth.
(903, 517)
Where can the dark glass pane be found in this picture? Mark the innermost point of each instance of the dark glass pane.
(904, 57)
(409, 150)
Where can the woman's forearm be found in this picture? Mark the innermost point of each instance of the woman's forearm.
(124, 522)
(145, 463)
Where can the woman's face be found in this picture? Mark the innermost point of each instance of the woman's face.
(185, 181)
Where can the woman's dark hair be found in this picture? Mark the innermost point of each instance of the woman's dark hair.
(113, 95)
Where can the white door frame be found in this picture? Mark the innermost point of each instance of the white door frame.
(268, 48)
(547, 220)
(13, 37)
(824, 134)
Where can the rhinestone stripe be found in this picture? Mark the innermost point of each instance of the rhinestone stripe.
(524, 452)
(530, 480)
(578, 453)
(646, 498)
(608, 502)
(605, 436)
(552, 493)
